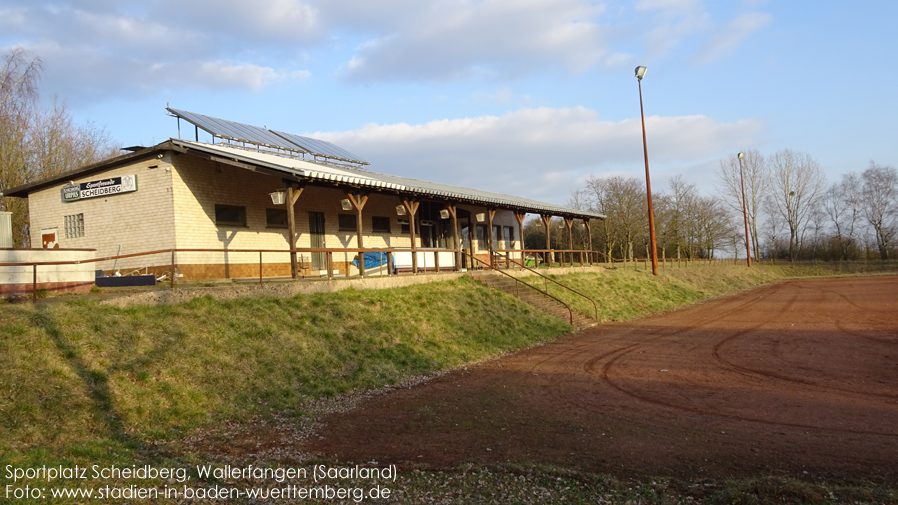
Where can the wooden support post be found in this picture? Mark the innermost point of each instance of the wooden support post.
(472, 236)
(290, 200)
(519, 216)
(549, 256)
(588, 234)
(568, 222)
(358, 203)
(456, 245)
(411, 207)
(330, 264)
(172, 280)
(260, 268)
(490, 213)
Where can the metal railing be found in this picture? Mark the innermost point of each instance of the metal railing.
(547, 279)
(329, 260)
(519, 281)
(328, 252)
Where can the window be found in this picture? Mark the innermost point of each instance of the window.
(276, 218)
(509, 237)
(380, 224)
(405, 227)
(481, 238)
(497, 237)
(74, 226)
(347, 222)
(230, 215)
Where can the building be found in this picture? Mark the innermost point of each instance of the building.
(226, 208)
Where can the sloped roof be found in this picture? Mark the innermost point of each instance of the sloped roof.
(367, 179)
(323, 174)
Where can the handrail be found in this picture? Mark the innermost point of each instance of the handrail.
(328, 251)
(568, 307)
(572, 290)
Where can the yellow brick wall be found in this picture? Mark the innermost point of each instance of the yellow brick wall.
(175, 207)
(201, 184)
(139, 221)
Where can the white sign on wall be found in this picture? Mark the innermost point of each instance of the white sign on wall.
(104, 187)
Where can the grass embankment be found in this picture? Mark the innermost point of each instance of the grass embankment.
(625, 293)
(83, 383)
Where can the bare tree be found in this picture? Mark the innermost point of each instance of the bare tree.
(796, 186)
(842, 205)
(19, 77)
(682, 215)
(36, 143)
(880, 204)
(756, 175)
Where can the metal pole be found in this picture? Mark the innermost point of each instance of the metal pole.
(648, 184)
(744, 213)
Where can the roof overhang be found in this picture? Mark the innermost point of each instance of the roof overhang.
(304, 171)
(125, 159)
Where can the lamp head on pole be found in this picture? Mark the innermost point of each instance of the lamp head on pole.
(741, 155)
(640, 72)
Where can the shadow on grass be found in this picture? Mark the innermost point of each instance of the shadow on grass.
(96, 382)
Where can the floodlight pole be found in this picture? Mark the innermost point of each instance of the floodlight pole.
(744, 212)
(640, 72)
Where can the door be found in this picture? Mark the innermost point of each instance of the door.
(316, 236)
(49, 238)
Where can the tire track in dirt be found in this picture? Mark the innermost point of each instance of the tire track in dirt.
(701, 391)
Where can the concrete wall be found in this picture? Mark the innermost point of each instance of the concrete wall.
(276, 289)
(16, 280)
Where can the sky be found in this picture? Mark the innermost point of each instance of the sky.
(522, 97)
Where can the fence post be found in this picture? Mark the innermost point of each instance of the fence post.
(34, 283)
(260, 268)
(172, 281)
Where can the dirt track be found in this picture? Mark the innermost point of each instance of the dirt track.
(797, 377)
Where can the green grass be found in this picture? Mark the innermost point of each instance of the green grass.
(626, 293)
(87, 383)
(82, 383)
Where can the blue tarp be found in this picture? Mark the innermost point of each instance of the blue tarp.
(372, 259)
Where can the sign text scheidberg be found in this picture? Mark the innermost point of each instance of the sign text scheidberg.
(105, 187)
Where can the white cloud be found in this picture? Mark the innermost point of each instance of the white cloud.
(730, 36)
(539, 153)
(101, 48)
(125, 43)
(88, 69)
(456, 39)
(668, 5)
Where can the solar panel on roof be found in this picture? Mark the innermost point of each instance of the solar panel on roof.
(320, 147)
(240, 132)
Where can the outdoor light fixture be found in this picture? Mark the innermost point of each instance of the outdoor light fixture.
(278, 197)
(744, 213)
(640, 72)
(481, 217)
(444, 214)
(400, 210)
(346, 204)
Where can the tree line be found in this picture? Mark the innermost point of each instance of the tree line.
(37, 141)
(793, 213)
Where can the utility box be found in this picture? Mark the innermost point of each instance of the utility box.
(6, 230)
